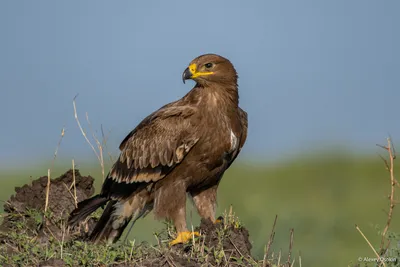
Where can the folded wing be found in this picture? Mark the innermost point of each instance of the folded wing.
(154, 147)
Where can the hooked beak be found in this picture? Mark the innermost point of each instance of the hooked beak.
(186, 75)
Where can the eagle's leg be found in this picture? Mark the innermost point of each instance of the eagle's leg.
(179, 219)
(206, 203)
(170, 203)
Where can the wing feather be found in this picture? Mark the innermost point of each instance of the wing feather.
(155, 146)
(244, 122)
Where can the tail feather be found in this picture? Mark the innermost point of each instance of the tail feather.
(140, 214)
(116, 218)
(85, 208)
(111, 224)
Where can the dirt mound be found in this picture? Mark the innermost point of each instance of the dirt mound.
(61, 199)
(31, 237)
(221, 244)
(236, 241)
(23, 207)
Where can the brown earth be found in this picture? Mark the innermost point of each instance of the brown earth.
(61, 202)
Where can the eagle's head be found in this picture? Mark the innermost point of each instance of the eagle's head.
(210, 68)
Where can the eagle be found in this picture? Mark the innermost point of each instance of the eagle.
(181, 149)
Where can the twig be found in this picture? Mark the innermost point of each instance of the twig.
(370, 245)
(390, 167)
(47, 191)
(290, 246)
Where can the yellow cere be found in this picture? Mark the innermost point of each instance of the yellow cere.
(195, 73)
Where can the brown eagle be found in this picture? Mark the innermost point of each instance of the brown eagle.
(184, 147)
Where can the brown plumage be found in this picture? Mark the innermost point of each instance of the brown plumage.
(184, 147)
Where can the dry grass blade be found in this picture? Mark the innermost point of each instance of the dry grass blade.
(69, 190)
(279, 257)
(237, 249)
(74, 183)
(99, 145)
(82, 130)
(58, 146)
(300, 258)
(169, 260)
(131, 252)
(370, 245)
(99, 156)
(105, 139)
(47, 191)
(48, 171)
(62, 242)
(290, 246)
(271, 236)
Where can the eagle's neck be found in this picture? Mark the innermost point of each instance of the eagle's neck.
(220, 96)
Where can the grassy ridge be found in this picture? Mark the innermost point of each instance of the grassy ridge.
(321, 197)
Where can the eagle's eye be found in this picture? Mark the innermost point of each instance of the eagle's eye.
(208, 65)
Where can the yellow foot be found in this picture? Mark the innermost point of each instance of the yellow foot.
(220, 219)
(183, 237)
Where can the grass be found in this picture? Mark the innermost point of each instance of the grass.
(25, 244)
(322, 197)
(29, 251)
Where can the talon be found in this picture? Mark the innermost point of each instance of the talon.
(183, 237)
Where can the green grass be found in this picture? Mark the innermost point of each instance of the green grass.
(34, 238)
(322, 197)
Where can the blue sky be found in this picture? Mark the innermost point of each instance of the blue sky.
(312, 73)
